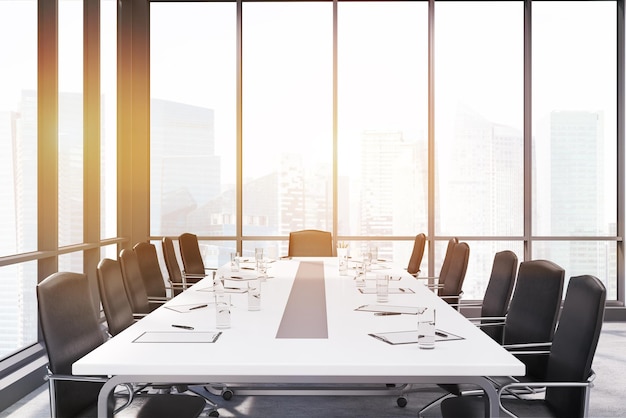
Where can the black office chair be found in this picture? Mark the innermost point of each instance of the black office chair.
(176, 278)
(134, 284)
(119, 314)
(416, 256)
(437, 282)
(569, 374)
(153, 280)
(494, 307)
(452, 287)
(534, 309)
(310, 243)
(115, 304)
(193, 265)
(497, 297)
(70, 330)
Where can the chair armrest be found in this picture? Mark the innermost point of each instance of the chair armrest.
(158, 299)
(452, 296)
(428, 278)
(70, 377)
(527, 345)
(194, 276)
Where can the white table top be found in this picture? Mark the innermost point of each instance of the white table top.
(249, 351)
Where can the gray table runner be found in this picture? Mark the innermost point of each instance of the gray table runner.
(305, 312)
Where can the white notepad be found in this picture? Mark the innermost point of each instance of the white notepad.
(392, 290)
(411, 310)
(410, 337)
(177, 337)
(188, 308)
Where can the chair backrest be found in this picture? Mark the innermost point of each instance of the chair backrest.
(447, 259)
(455, 275)
(133, 282)
(70, 329)
(574, 344)
(310, 243)
(117, 309)
(499, 289)
(190, 254)
(171, 263)
(416, 256)
(150, 268)
(534, 309)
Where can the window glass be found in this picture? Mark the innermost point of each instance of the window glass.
(18, 170)
(574, 118)
(479, 103)
(18, 127)
(597, 258)
(287, 117)
(574, 135)
(192, 118)
(382, 119)
(18, 310)
(70, 124)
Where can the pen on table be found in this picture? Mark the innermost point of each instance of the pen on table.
(198, 307)
(386, 313)
(441, 334)
(182, 326)
(401, 289)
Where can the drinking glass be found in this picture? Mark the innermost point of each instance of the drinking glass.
(222, 310)
(426, 328)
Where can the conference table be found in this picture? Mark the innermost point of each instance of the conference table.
(315, 326)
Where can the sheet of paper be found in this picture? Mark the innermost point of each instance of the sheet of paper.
(412, 310)
(177, 337)
(188, 308)
(392, 290)
(410, 337)
(227, 289)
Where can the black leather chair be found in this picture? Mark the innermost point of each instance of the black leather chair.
(176, 279)
(417, 254)
(497, 296)
(493, 309)
(134, 284)
(437, 282)
(568, 376)
(193, 265)
(310, 243)
(534, 309)
(117, 308)
(452, 287)
(153, 279)
(70, 330)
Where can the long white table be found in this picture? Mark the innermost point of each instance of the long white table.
(250, 353)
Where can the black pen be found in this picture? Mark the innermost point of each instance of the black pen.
(386, 313)
(182, 326)
(198, 307)
(441, 334)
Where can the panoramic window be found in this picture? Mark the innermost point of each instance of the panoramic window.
(382, 122)
(18, 156)
(574, 136)
(287, 136)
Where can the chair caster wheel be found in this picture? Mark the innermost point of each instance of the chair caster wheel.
(401, 401)
(227, 394)
(214, 414)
